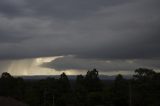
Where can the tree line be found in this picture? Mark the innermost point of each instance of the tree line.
(143, 89)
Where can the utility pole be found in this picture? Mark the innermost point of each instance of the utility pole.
(130, 93)
(53, 101)
(44, 97)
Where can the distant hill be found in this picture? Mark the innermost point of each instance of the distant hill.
(71, 77)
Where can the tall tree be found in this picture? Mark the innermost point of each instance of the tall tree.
(92, 81)
(120, 91)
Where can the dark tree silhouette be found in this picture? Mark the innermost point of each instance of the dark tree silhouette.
(64, 83)
(143, 73)
(143, 89)
(6, 75)
(92, 81)
(120, 91)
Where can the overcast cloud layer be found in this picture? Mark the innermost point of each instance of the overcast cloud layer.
(88, 29)
(72, 63)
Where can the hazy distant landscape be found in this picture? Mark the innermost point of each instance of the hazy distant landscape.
(70, 77)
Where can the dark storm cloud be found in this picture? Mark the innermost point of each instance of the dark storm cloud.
(73, 63)
(61, 9)
(95, 29)
(12, 8)
(6, 37)
(69, 9)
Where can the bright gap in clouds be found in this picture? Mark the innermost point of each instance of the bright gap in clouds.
(29, 67)
(32, 67)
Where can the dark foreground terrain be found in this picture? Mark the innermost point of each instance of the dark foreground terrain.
(143, 89)
(7, 101)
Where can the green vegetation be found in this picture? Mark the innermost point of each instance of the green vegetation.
(142, 90)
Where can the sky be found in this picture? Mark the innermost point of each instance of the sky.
(48, 37)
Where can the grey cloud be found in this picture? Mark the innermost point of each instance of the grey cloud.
(11, 37)
(60, 9)
(71, 62)
(70, 9)
(103, 30)
(13, 8)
